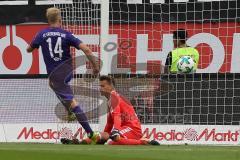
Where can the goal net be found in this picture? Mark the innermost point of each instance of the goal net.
(139, 40)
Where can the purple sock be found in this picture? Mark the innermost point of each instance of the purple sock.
(82, 119)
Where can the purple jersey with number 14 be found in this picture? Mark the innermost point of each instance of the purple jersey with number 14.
(55, 44)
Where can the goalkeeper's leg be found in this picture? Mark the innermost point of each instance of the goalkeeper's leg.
(125, 141)
(130, 137)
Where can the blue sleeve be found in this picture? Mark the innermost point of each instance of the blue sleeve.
(36, 41)
(73, 41)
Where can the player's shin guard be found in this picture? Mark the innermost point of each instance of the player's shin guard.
(82, 119)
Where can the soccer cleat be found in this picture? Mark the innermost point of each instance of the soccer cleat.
(146, 141)
(76, 141)
(153, 142)
(95, 137)
(66, 141)
(69, 141)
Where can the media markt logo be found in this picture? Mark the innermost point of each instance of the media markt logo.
(213, 135)
(47, 134)
(191, 134)
(66, 133)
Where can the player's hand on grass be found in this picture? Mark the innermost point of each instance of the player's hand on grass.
(115, 135)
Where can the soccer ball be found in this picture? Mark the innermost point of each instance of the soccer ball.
(185, 64)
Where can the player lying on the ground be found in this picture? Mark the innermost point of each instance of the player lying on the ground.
(55, 44)
(123, 126)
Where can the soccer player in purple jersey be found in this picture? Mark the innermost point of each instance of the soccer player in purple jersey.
(55, 44)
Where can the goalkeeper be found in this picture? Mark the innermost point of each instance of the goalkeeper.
(55, 44)
(123, 126)
(181, 49)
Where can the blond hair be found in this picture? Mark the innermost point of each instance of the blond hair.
(53, 15)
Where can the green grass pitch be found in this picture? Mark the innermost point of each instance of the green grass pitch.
(22, 151)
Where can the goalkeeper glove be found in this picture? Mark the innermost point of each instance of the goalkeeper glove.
(115, 135)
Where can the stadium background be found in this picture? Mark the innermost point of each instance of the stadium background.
(208, 98)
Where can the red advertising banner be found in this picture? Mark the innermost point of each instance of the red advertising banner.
(147, 43)
(165, 134)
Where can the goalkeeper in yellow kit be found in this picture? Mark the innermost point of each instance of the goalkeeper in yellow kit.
(180, 49)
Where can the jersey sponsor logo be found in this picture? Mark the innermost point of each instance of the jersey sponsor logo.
(126, 130)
